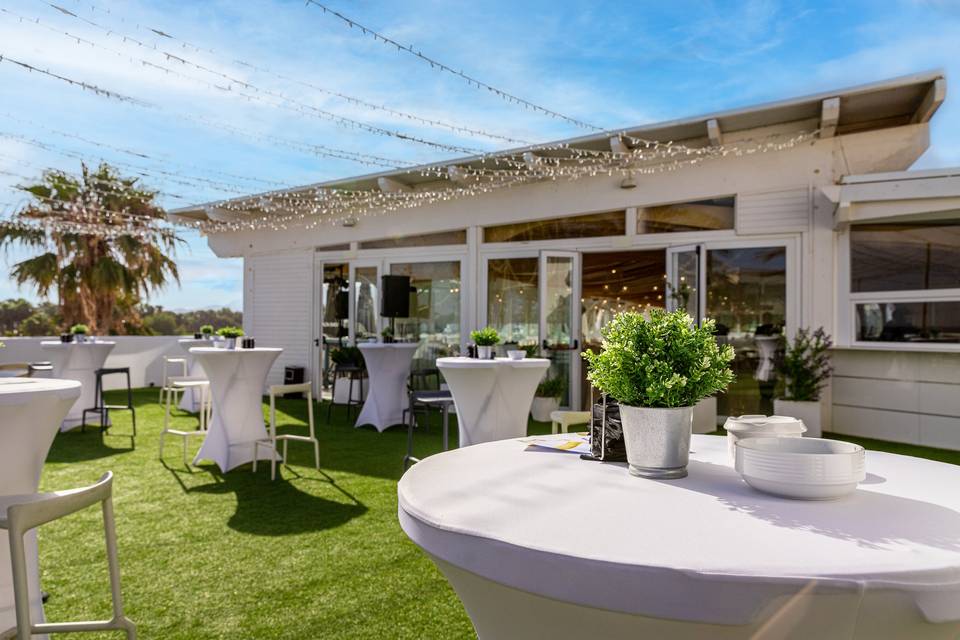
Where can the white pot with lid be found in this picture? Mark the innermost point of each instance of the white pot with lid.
(759, 426)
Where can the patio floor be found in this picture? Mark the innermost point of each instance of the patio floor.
(211, 555)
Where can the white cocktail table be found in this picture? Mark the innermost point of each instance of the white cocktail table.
(78, 361)
(542, 544)
(388, 367)
(31, 411)
(190, 398)
(237, 378)
(493, 397)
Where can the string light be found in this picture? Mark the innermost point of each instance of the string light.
(436, 64)
(86, 86)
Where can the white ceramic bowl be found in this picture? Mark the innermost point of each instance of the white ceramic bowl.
(517, 354)
(757, 426)
(801, 468)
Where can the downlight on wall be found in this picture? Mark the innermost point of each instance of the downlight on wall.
(628, 182)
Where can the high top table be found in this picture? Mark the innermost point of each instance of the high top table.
(542, 544)
(31, 410)
(78, 361)
(388, 367)
(190, 398)
(493, 397)
(237, 379)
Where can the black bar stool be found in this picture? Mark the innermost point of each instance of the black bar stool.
(443, 400)
(102, 408)
(354, 373)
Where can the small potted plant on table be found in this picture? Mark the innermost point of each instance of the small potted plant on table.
(230, 334)
(547, 398)
(804, 370)
(657, 369)
(206, 331)
(79, 332)
(485, 339)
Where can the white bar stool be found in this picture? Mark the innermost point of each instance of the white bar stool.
(20, 514)
(566, 419)
(206, 413)
(167, 378)
(271, 441)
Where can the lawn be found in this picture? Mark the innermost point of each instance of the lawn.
(211, 555)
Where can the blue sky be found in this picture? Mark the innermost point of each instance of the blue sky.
(609, 63)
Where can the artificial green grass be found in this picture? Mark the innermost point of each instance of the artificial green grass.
(210, 555)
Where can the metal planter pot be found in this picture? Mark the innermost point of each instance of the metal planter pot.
(657, 440)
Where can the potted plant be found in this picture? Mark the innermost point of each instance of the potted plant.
(547, 398)
(485, 339)
(386, 336)
(79, 332)
(230, 334)
(207, 331)
(348, 356)
(804, 369)
(657, 369)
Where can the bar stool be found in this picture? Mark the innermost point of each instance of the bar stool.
(353, 373)
(567, 419)
(167, 361)
(271, 441)
(104, 409)
(423, 375)
(443, 400)
(206, 413)
(20, 514)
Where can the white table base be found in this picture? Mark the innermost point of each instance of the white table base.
(388, 367)
(237, 379)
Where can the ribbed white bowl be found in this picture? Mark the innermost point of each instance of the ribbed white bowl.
(802, 468)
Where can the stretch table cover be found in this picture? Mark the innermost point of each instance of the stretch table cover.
(493, 397)
(237, 378)
(190, 398)
(706, 548)
(388, 365)
(78, 361)
(31, 410)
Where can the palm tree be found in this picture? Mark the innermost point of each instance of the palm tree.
(100, 242)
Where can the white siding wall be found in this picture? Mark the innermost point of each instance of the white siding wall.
(780, 211)
(908, 397)
(277, 307)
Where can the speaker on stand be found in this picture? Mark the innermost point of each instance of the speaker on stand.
(394, 298)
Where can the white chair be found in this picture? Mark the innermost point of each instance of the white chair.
(566, 419)
(271, 441)
(20, 514)
(206, 413)
(167, 378)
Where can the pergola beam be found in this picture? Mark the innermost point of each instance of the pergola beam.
(617, 145)
(829, 117)
(389, 185)
(931, 102)
(714, 133)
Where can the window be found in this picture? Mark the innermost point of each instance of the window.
(592, 225)
(513, 299)
(424, 240)
(434, 309)
(905, 283)
(703, 215)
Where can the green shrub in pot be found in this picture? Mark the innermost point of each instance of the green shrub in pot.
(485, 339)
(803, 368)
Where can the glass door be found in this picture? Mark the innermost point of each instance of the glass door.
(364, 301)
(333, 311)
(559, 285)
(683, 280)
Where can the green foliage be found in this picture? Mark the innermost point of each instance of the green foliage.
(39, 324)
(532, 350)
(804, 366)
(207, 329)
(230, 332)
(486, 337)
(665, 361)
(346, 355)
(552, 387)
(79, 329)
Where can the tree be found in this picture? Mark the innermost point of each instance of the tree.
(100, 245)
(12, 313)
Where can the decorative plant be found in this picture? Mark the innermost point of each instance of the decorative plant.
(552, 387)
(346, 356)
(207, 329)
(804, 366)
(486, 337)
(532, 349)
(230, 332)
(79, 329)
(663, 361)
(387, 334)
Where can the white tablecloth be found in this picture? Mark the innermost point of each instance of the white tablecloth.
(493, 397)
(388, 367)
(190, 398)
(237, 378)
(31, 411)
(78, 361)
(552, 533)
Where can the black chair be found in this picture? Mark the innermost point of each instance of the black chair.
(354, 373)
(442, 400)
(420, 381)
(103, 409)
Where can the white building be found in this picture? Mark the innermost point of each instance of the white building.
(811, 220)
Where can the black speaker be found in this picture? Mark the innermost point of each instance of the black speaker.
(395, 296)
(341, 305)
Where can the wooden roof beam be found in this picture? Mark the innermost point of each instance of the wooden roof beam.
(829, 117)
